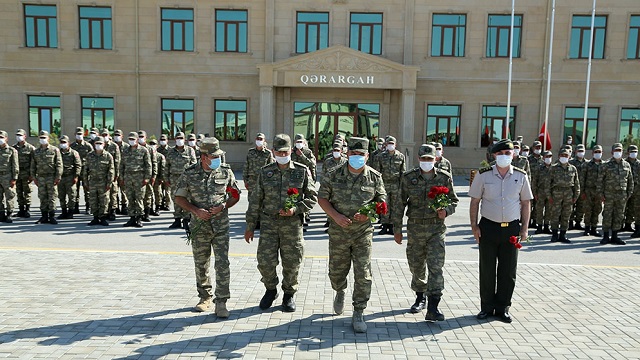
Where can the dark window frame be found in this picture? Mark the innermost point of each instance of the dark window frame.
(91, 21)
(172, 23)
(40, 110)
(637, 35)
(307, 24)
(368, 25)
(448, 119)
(501, 28)
(454, 42)
(227, 24)
(225, 125)
(102, 110)
(172, 123)
(585, 135)
(583, 42)
(46, 19)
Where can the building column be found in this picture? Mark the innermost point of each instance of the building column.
(267, 111)
(407, 125)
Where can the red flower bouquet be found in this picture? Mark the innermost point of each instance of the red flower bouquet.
(373, 210)
(292, 198)
(440, 197)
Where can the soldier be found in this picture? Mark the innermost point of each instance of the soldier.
(338, 158)
(257, 157)
(631, 214)
(535, 160)
(540, 188)
(71, 171)
(192, 141)
(615, 185)
(117, 139)
(303, 155)
(564, 190)
(425, 230)
(376, 152)
(93, 134)
(441, 162)
(391, 164)
(100, 176)
(578, 209)
(282, 217)
(163, 148)
(83, 148)
(135, 175)
(9, 173)
(178, 158)
(207, 190)
(489, 155)
(148, 193)
(46, 169)
(589, 175)
(157, 185)
(113, 149)
(163, 145)
(569, 142)
(520, 161)
(23, 185)
(524, 151)
(346, 190)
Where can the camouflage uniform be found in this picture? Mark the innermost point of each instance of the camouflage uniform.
(83, 148)
(71, 170)
(631, 212)
(23, 185)
(281, 235)
(46, 167)
(148, 192)
(616, 186)
(178, 159)
(540, 188)
(441, 162)
(9, 173)
(589, 175)
(117, 139)
(205, 190)
(578, 208)
(331, 162)
(163, 149)
(391, 165)
(564, 189)
(372, 156)
(135, 168)
(113, 149)
(425, 230)
(306, 157)
(99, 177)
(534, 164)
(256, 159)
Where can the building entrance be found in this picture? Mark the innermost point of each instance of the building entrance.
(320, 122)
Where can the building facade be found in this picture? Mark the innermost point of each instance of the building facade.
(419, 70)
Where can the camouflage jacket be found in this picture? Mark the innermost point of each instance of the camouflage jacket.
(25, 153)
(307, 158)
(540, 183)
(135, 160)
(523, 163)
(589, 174)
(616, 178)
(177, 160)
(153, 155)
(372, 156)
(71, 163)
(163, 150)
(162, 164)
(46, 162)
(635, 170)
(206, 189)
(83, 148)
(331, 163)
(100, 169)
(256, 159)
(562, 177)
(444, 164)
(9, 163)
(391, 166)
(534, 164)
(271, 190)
(114, 150)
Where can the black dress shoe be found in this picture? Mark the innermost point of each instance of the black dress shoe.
(504, 317)
(483, 314)
(288, 305)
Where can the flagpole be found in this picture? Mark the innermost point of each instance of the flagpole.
(508, 118)
(586, 100)
(546, 112)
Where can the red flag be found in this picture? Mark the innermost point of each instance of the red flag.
(547, 140)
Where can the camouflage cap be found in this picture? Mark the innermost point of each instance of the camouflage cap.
(142, 133)
(98, 139)
(21, 132)
(547, 153)
(104, 132)
(525, 147)
(133, 135)
(564, 152)
(64, 138)
(210, 146)
(339, 136)
(201, 136)
(516, 144)
(632, 148)
(260, 136)
(597, 147)
(94, 130)
(504, 144)
(427, 150)
(616, 146)
(3, 134)
(438, 146)
(390, 139)
(579, 147)
(299, 137)
(192, 136)
(519, 138)
(163, 137)
(153, 142)
(117, 132)
(44, 133)
(282, 142)
(536, 143)
(337, 145)
(179, 135)
(79, 130)
(568, 147)
(380, 141)
(359, 144)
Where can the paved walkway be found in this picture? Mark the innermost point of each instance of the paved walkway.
(78, 304)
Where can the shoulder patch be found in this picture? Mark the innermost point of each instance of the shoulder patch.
(374, 171)
(520, 170)
(444, 172)
(299, 165)
(411, 171)
(484, 169)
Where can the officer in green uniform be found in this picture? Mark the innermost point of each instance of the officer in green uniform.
(564, 190)
(379, 149)
(207, 190)
(257, 157)
(535, 160)
(163, 148)
(616, 187)
(178, 158)
(540, 188)
(83, 148)
(159, 180)
(589, 175)
(343, 192)
(391, 164)
(46, 168)
(99, 174)
(442, 163)
(578, 209)
(9, 172)
(71, 171)
(148, 192)
(135, 175)
(23, 184)
(520, 161)
(425, 229)
(281, 224)
(113, 149)
(117, 139)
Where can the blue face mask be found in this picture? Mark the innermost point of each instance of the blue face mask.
(215, 163)
(356, 161)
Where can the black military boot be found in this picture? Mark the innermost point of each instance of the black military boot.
(138, 221)
(27, 214)
(52, 218)
(131, 222)
(594, 231)
(69, 214)
(185, 223)
(103, 221)
(605, 239)
(86, 208)
(118, 210)
(587, 228)
(433, 314)
(546, 229)
(616, 240)
(3, 217)
(554, 235)
(268, 298)
(176, 224)
(154, 212)
(563, 237)
(578, 226)
(124, 209)
(76, 209)
(63, 215)
(112, 215)
(627, 227)
(145, 217)
(419, 304)
(95, 221)
(8, 219)
(390, 229)
(20, 211)
(538, 229)
(44, 218)
(571, 226)
(384, 229)
(636, 234)
(288, 305)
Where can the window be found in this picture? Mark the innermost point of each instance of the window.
(443, 124)
(574, 126)
(499, 35)
(448, 35)
(231, 119)
(44, 114)
(231, 31)
(366, 33)
(95, 27)
(312, 31)
(493, 118)
(633, 48)
(177, 116)
(177, 29)
(98, 112)
(580, 35)
(630, 125)
(41, 26)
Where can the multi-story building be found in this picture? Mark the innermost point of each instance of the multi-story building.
(418, 69)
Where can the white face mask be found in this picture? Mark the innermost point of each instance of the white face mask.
(133, 142)
(516, 152)
(537, 151)
(494, 142)
(503, 160)
(117, 138)
(569, 141)
(299, 145)
(44, 141)
(547, 161)
(438, 153)
(259, 143)
(580, 154)
(99, 147)
(2, 141)
(163, 143)
(282, 160)
(141, 140)
(64, 146)
(524, 153)
(192, 143)
(380, 146)
(180, 142)
(337, 154)
(93, 136)
(563, 160)
(427, 166)
(79, 137)
(19, 138)
(391, 147)
(617, 155)
(597, 156)
(106, 138)
(633, 155)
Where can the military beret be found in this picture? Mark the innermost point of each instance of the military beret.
(117, 132)
(536, 143)
(44, 133)
(427, 150)
(632, 148)
(597, 147)
(504, 144)
(564, 152)
(192, 136)
(133, 134)
(547, 153)
(299, 137)
(210, 146)
(142, 133)
(616, 146)
(359, 144)
(64, 138)
(21, 132)
(104, 132)
(79, 130)
(163, 137)
(260, 136)
(180, 135)
(282, 142)
(337, 145)
(98, 139)
(390, 139)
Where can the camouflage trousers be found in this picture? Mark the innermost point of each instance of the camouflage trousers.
(346, 246)
(425, 246)
(47, 193)
(157, 193)
(561, 208)
(280, 235)
(23, 189)
(80, 184)
(67, 193)
(592, 208)
(613, 211)
(178, 212)
(578, 210)
(543, 211)
(208, 235)
(166, 195)
(631, 211)
(147, 202)
(7, 194)
(113, 195)
(135, 193)
(393, 196)
(98, 199)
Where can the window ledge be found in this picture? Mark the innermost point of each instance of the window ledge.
(40, 48)
(237, 54)
(174, 52)
(97, 50)
(523, 59)
(629, 60)
(587, 60)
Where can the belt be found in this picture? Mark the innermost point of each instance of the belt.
(277, 216)
(426, 221)
(503, 224)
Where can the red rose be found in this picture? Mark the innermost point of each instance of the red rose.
(518, 245)
(444, 190)
(292, 191)
(432, 194)
(381, 208)
(233, 192)
(513, 240)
